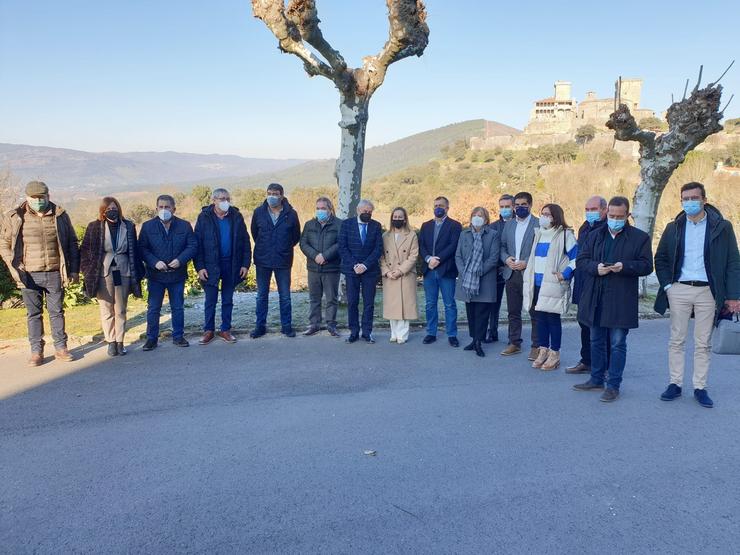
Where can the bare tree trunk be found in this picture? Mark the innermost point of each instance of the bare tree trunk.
(354, 110)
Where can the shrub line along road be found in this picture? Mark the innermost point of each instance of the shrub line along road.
(260, 447)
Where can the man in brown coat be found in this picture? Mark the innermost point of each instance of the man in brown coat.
(39, 246)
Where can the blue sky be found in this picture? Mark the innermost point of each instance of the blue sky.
(205, 76)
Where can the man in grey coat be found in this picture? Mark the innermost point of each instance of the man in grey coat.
(516, 245)
(320, 243)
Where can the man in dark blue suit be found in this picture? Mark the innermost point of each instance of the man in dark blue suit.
(437, 244)
(360, 247)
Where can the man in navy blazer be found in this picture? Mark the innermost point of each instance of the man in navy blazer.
(360, 247)
(437, 245)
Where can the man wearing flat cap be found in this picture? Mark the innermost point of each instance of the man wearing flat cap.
(39, 246)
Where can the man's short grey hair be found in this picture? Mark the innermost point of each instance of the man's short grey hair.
(364, 202)
(218, 192)
(167, 198)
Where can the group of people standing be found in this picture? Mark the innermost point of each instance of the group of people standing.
(536, 260)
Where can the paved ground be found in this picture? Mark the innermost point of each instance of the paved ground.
(259, 447)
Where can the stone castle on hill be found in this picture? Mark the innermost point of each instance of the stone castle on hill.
(556, 119)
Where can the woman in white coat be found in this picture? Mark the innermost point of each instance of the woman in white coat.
(398, 267)
(547, 281)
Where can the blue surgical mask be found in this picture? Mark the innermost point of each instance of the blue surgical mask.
(322, 215)
(691, 207)
(522, 212)
(439, 212)
(164, 215)
(273, 201)
(615, 225)
(506, 213)
(592, 217)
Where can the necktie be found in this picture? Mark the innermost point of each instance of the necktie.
(363, 233)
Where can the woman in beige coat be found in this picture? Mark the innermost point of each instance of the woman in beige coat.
(398, 267)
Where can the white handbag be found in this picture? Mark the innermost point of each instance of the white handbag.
(726, 337)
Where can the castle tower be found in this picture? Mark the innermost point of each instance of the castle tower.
(631, 91)
(562, 90)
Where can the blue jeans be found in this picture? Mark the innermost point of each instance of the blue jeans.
(282, 278)
(601, 358)
(227, 299)
(40, 286)
(433, 284)
(365, 284)
(549, 330)
(176, 294)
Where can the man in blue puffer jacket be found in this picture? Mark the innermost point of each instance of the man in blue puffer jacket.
(275, 231)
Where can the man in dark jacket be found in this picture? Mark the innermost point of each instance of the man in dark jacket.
(506, 213)
(613, 260)
(360, 247)
(320, 244)
(595, 219)
(167, 245)
(437, 244)
(698, 268)
(39, 246)
(224, 255)
(275, 231)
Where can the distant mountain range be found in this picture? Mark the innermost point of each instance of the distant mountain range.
(76, 172)
(79, 170)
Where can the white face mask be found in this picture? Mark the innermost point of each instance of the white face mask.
(164, 215)
(477, 221)
(545, 221)
(224, 205)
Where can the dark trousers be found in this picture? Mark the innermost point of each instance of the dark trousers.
(46, 285)
(323, 285)
(282, 279)
(514, 302)
(549, 330)
(586, 346)
(496, 308)
(176, 294)
(478, 315)
(365, 284)
(227, 298)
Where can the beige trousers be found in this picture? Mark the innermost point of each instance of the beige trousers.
(683, 299)
(400, 330)
(113, 301)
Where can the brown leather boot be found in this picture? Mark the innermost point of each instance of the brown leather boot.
(534, 352)
(64, 355)
(511, 349)
(552, 362)
(207, 338)
(541, 357)
(37, 359)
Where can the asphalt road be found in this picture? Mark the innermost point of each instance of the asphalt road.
(260, 447)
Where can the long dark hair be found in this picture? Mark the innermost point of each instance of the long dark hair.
(104, 204)
(558, 216)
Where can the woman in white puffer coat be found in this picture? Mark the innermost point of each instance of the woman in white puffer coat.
(547, 282)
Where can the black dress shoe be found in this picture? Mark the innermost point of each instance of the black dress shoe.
(312, 330)
(181, 342)
(479, 349)
(121, 349)
(257, 332)
(453, 341)
(470, 346)
(429, 339)
(332, 331)
(149, 345)
(289, 333)
(112, 349)
(369, 339)
(352, 338)
(490, 338)
(589, 386)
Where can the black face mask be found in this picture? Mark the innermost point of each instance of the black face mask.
(398, 224)
(365, 217)
(112, 215)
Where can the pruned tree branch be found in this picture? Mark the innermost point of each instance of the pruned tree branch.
(625, 129)
(408, 36)
(272, 13)
(305, 17)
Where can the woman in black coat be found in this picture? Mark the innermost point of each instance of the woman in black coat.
(112, 269)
